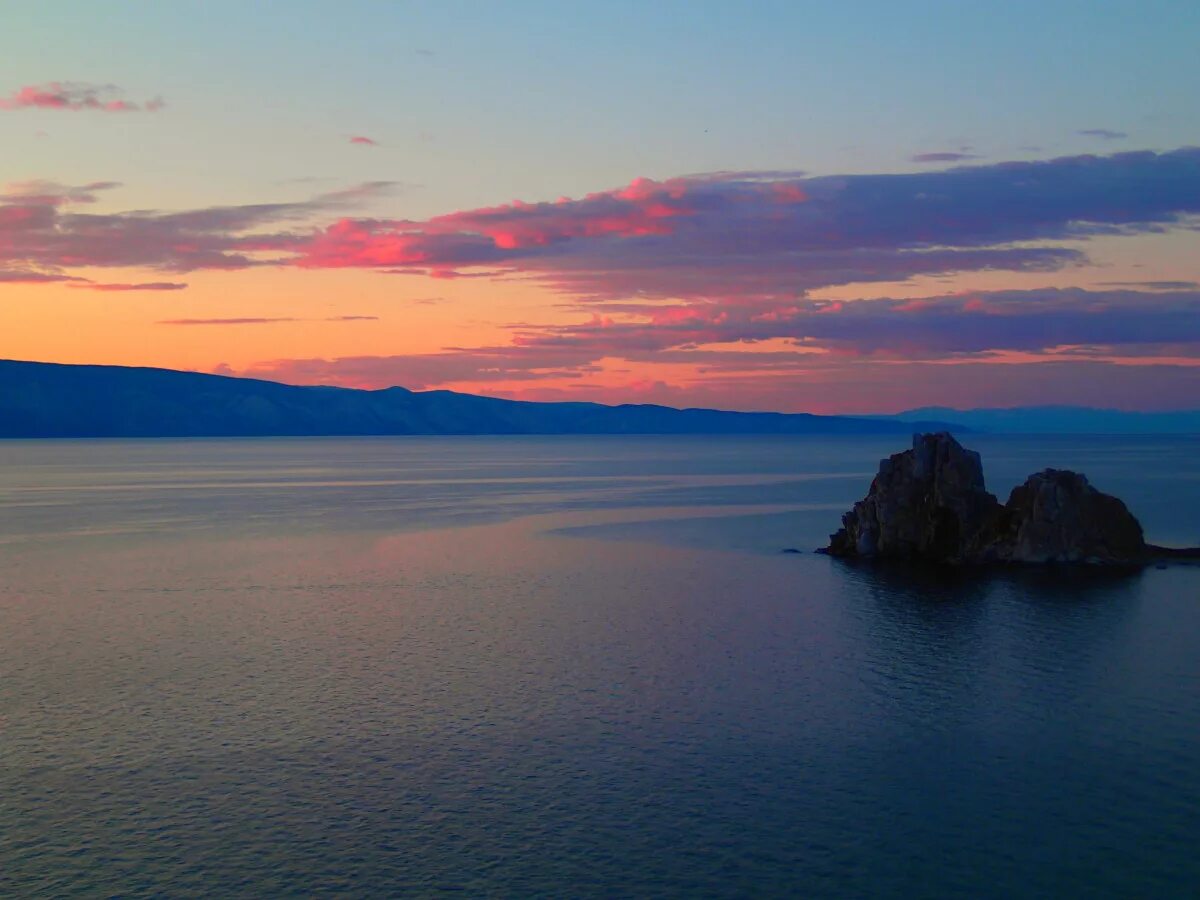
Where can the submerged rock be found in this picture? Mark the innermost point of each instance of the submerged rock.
(930, 503)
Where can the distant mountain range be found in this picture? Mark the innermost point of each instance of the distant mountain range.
(1059, 420)
(44, 400)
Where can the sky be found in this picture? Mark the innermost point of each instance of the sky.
(836, 208)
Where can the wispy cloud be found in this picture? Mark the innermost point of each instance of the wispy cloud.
(264, 320)
(363, 140)
(1155, 285)
(39, 231)
(1104, 134)
(76, 96)
(425, 370)
(41, 192)
(236, 321)
(24, 276)
(136, 286)
(943, 156)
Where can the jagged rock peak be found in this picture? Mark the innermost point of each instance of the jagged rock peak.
(925, 503)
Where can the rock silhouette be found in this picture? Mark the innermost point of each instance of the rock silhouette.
(930, 503)
(926, 503)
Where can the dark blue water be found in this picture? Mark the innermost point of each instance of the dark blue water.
(575, 667)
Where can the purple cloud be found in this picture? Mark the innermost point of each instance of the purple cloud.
(914, 328)
(20, 276)
(741, 238)
(731, 238)
(39, 231)
(951, 347)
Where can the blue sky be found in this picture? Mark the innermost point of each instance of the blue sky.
(481, 102)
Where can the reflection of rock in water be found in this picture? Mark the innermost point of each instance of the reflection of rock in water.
(953, 629)
(930, 503)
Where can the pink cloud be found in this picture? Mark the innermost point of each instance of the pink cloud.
(490, 234)
(73, 95)
(645, 207)
(365, 141)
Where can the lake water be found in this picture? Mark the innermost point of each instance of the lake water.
(576, 667)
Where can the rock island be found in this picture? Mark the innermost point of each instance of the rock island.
(930, 504)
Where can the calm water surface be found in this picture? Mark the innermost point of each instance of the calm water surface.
(575, 667)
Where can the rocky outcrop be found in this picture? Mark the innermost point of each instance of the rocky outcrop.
(926, 503)
(930, 503)
(1057, 516)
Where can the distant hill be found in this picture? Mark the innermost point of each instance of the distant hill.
(1060, 420)
(45, 400)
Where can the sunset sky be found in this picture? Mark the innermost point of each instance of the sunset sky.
(852, 207)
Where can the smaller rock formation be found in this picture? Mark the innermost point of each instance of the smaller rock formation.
(930, 503)
(1057, 516)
